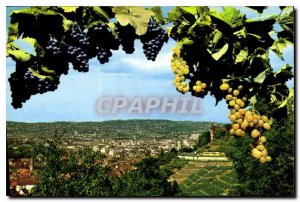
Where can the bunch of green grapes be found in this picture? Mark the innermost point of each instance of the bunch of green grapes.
(200, 87)
(245, 120)
(180, 69)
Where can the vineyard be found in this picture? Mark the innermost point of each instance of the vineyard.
(206, 179)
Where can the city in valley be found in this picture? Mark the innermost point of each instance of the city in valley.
(121, 144)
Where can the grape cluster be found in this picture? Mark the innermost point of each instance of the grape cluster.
(24, 84)
(244, 120)
(153, 39)
(77, 45)
(78, 37)
(127, 37)
(180, 69)
(103, 55)
(104, 41)
(54, 46)
(200, 88)
(78, 58)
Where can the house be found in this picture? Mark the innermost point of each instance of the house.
(22, 184)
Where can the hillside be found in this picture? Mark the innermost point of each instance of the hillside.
(116, 128)
(210, 180)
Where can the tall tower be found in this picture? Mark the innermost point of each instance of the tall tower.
(212, 132)
(31, 164)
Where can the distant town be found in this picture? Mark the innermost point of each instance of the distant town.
(120, 152)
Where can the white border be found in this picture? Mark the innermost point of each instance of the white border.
(3, 5)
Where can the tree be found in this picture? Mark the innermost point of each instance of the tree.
(67, 173)
(204, 139)
(148, 179)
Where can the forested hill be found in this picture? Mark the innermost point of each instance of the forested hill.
(111, 128)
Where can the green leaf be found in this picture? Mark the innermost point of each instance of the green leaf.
(284, 74)
(190, 9)
(36, 74)
(158, 14)
(242, 33)
(101, 12)
(67, 24)
(137, 17)
(48, 71)
(38, 23)
(218, 35)
(231, 16)
(220, 53)
(13, 32)
(30, 41)
(253, 100)
(291, 96)
(241, 56)
(279, 46)
(17, 54)
(200, 23)
(261, 77)
(287, 20)
(112, 26)
(187, 42)
(173, 15)
(68, 9)
(273, 98)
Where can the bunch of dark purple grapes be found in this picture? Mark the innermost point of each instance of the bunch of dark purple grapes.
(127, 37)
(154, 39)
(77, 44)
(24, 83)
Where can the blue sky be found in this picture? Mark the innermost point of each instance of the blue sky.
(128, 75)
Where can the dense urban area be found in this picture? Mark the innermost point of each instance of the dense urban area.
(121, 144)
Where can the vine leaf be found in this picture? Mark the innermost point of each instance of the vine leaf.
(284, 74)
(101, 12)
(242, 56)
(231, 16)
(17, 54)
(13, 32)
(48, 71)
(291, 96)
(190, 9)
(37, 23)
(261, 77)
(200, 23)
(68, 9)
(173, 15)
(30, 41)
(220, 53)
(158, 14)
(40, 76)
(187, 42)
(218, 35)
(253, 100)
(67, 24)
(137, 17)
(279, 46)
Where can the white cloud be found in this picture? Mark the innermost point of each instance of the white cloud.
(160, 65)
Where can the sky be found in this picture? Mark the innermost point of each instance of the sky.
(125, 75)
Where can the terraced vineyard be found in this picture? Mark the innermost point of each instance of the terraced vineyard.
(212, 180)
